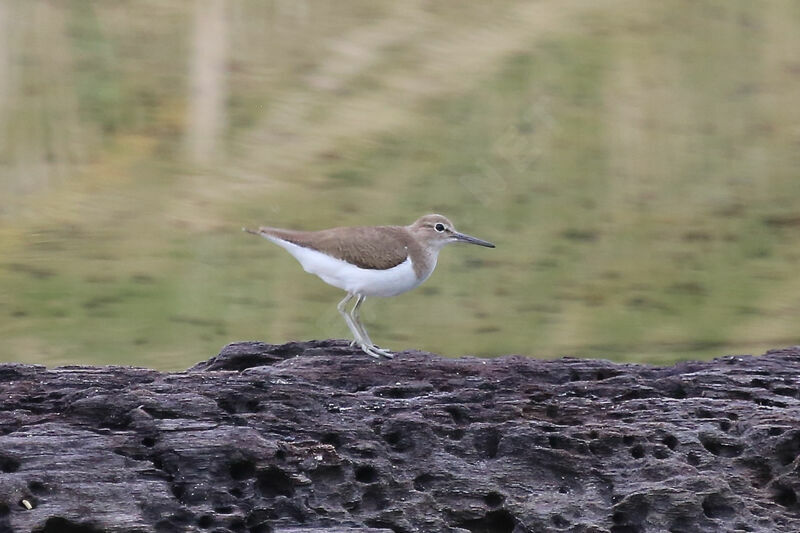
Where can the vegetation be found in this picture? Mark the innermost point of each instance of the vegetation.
(637, 169)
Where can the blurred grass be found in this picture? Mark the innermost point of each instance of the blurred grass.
(637, 169)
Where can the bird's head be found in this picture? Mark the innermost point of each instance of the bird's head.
(437, 231)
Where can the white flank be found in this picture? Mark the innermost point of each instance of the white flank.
(341, 274)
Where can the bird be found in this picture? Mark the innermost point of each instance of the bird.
(367, 261)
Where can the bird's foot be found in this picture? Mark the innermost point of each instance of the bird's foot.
(376, 352)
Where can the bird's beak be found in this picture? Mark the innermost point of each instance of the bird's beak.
(463, 237)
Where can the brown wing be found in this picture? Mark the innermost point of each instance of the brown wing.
(375, 248)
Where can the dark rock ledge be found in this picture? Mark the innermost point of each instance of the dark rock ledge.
(312, 437)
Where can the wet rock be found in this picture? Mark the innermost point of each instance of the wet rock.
(315, 436)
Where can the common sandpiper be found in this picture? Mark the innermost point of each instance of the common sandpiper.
(370, 261)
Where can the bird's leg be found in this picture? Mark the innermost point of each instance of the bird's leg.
(356, 315)
(370, 347)
(348, 319)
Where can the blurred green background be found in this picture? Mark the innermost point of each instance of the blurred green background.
(636, 163)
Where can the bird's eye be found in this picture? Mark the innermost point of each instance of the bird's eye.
(439, 227)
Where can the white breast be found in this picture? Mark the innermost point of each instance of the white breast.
(351, 278)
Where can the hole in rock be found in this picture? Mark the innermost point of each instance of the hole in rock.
(487, 443)
(383, 524)
(456, 434)
(205, 521)
(241, 468)
(661, 452)
(559, 442)
(352, 506)
(366, 474)
(423, 482)
(158, 412)
(148, 442)
(458, 414)
(720, 448)
(399, 392)
(788, 448)
(786, 391)
(625, 528)
(288, 509)
(715, 506)
(498, 521)
(627, 440)
(226, 405)
(769, 403)
(670, 441)
(599, 447)
(399, 440)
(605, 373)
(179, 491)
(677, 391)
(631, 511)
(238, 404)
(494, 499)
(331, 438)
(559, 521)
(274, 482)
(374, 500)
(785, 496)
(58, 524)
(8, 464)
(551, 411)
(4, 509)
(236, 524)
(257, 519)
(37, 487)
(761, 471)
(637, 452)
(328, 474)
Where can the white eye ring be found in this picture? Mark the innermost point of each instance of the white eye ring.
(439, 227)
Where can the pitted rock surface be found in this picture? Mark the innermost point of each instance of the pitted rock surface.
(316, 436)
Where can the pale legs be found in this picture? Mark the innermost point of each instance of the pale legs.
(356, 314)
(353, 320)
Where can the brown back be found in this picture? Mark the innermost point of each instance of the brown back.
(374, 248)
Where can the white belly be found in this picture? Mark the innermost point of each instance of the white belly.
(351, 278)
